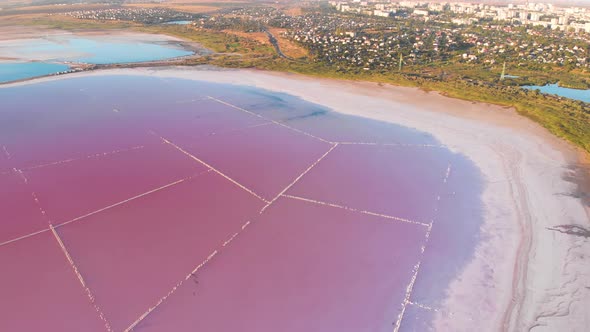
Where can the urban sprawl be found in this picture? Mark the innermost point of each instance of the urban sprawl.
(358, 35)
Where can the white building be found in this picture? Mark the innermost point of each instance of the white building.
(421, 12)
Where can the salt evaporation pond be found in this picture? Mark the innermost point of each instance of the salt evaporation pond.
(50, 53)
(222, 208)
(14, 71)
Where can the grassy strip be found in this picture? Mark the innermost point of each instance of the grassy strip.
(220, 42)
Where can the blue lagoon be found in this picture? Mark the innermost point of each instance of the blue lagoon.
(14, 71)
(555, 89)
(53, 54)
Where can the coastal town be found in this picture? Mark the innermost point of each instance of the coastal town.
(463, 13)
(369, 36)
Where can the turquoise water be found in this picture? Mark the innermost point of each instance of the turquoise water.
(95, 51)
(21, 70)
(179, 22)
(83, 50)
(554, 89)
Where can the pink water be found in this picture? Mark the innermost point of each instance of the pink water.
(19, 213)
(391, 180)
(72, 189)
(135, 253)
(265, 158)
(191, 206)
(39, 290)
(300, 267)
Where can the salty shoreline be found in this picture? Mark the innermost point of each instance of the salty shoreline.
(522, 276)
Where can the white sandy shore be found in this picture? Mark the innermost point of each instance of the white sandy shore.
(523, 276)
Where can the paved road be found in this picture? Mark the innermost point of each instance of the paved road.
(275, 43)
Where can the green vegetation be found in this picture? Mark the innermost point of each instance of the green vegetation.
(581, 84)
(217, 41)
